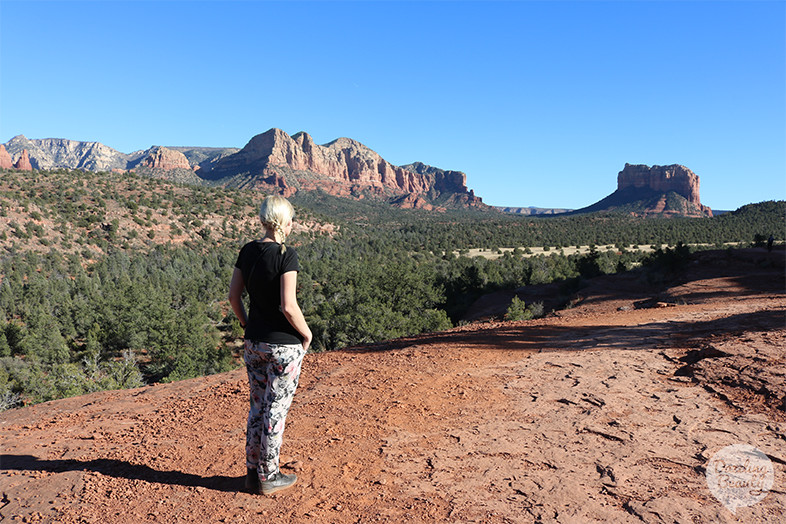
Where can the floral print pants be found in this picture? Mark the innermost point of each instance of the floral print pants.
(273, 373)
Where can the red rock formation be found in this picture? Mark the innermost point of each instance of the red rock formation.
(675, 178)
(412, 201)
(657, 191)
(343, 167)
(165, 158)
(343, 159)
(5, 159)
(24, 162)
(663, 179)
(279, 182)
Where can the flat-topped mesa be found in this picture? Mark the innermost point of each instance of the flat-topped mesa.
(657, 191)
(165, 158)
(675, 178)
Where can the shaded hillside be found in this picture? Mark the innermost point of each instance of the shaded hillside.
(644, 202)
(205, 157)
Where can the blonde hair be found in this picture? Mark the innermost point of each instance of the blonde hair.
(275, 213)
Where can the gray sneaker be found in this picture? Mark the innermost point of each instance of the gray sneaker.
(277, 482)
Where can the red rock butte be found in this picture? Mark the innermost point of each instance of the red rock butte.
(675, 178)
(165, 158)
(23, 163)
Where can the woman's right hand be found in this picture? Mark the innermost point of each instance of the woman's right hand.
(291, 309)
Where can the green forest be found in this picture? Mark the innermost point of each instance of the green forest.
(116, 280)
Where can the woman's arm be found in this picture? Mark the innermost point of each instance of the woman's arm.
(291, 309)
(236, 297)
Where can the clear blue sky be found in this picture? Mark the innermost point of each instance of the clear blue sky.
(540, 103)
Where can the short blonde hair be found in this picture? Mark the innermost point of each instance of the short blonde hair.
(275, 213)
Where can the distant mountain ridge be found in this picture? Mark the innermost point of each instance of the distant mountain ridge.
(272, 162)
(54, 153)
(531, 210)
(275, 162)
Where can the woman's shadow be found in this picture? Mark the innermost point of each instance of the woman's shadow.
(122, 469)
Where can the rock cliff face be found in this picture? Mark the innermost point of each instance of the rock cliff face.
(165, 158)
(663, 179)
(5, 159)
(657, 191)
(452, 184)
(344, 167)
(23, 163)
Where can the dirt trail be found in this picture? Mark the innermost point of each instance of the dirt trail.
(603, 412)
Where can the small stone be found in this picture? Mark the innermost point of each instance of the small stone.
(296, 465)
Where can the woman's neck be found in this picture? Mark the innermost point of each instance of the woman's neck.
(269, 237)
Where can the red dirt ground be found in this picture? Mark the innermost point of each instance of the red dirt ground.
(606, 412)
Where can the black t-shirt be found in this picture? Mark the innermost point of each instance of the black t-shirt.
(262, 265)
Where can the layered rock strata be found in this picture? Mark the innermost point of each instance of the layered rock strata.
(657, 191)
(663, 179)
(344, 167)
(165, 158)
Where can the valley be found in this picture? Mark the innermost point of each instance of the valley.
(99, 271)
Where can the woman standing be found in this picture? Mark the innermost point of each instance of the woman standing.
(276, 339)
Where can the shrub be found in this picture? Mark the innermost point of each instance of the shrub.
(517, 310)
(536, 308)
(5, 347)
